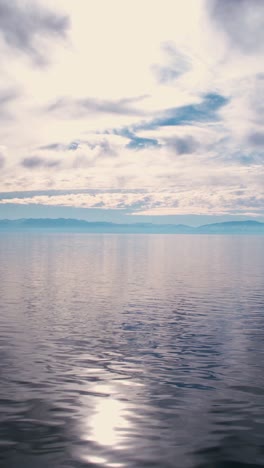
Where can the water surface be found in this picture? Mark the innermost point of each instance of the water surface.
(131, 351)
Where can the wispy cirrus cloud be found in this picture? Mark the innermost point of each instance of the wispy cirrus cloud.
(176, 64)
(79, 108)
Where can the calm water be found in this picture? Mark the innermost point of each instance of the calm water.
(131, 351)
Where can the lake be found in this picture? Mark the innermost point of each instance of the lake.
(131, 351)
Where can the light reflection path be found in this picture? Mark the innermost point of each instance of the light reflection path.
(107, 421)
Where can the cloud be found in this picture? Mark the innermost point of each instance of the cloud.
(3, 156)
(245, 159)
(68, 158)
(73, 127)
(78, 108)
(73, 146)
(192, 201)
(137, 142)
(204, 111)
(35, 162)
(24, 25)
(52, 147)
(242, 21)
(7, 96)
(177, 65)
(134, 141)
(184, 145)
(2, 161)
(104, 148)
(257, 139)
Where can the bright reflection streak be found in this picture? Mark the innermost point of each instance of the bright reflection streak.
(107, 421)
(106, 425)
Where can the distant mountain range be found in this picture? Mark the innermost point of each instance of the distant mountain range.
(62, 224)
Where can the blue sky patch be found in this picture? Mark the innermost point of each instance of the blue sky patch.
(206, 111)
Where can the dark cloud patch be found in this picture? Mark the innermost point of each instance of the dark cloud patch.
(35, 162)
(78, 108)
(51, 147)
(184, 145)
(7, 95)
(242, 21)
(257, 139)
(73, 146)
(177, 64)
(104, 148)
(23, 26)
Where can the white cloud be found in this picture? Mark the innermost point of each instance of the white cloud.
(75, 123)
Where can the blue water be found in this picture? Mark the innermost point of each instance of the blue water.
(131, 351)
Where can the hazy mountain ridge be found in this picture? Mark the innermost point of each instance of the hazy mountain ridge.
(68, 224)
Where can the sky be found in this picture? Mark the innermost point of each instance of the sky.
(132, 111)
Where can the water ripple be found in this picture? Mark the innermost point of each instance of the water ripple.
(131, 351)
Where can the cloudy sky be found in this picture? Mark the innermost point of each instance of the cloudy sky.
(132, 110)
